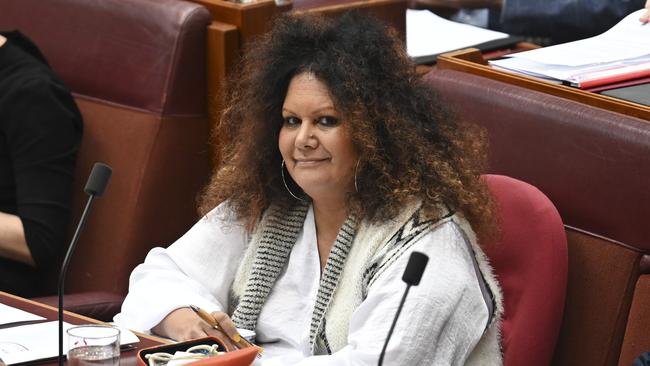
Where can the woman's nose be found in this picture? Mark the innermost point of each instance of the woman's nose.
(305, 136)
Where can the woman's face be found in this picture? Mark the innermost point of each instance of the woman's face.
(314, 140)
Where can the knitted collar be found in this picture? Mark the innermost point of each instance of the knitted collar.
(279, 232)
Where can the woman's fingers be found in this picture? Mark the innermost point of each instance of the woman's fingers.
(184, 324)
(181, 325)
(228, 343)
(227, 325)
(646, 16)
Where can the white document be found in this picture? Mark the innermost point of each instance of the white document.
(622, 50)
(41, 341)
(628, 39)
(9, 315)
(429, 34)
(562, 72)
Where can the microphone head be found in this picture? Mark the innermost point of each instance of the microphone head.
(98, 179)
(415, 268)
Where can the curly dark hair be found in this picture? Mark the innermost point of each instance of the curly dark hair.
(411, 146)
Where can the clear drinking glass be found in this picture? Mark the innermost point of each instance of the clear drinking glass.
(93, 345)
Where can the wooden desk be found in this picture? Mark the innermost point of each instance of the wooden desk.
(254, 18)
(471, 61)
(481, 58)
(127, 357)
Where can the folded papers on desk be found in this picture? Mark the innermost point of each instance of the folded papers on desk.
(621, 53)
(11, 315)
(428, 35)
(28, 343)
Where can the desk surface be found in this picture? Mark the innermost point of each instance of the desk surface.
(471, 61)
(127, 358)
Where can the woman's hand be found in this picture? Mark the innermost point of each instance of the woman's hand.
(646, 16)
(184, 324)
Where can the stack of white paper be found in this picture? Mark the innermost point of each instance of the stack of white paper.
(10, 315)
(428, 34)
(40, 341)
(621, 51)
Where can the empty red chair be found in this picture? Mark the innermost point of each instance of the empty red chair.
(530, 260)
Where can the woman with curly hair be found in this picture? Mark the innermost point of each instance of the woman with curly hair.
(336, 163)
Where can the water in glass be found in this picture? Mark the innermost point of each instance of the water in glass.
(93, 356)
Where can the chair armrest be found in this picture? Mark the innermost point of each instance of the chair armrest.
(95, 304)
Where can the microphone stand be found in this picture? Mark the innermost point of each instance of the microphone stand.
(392, 327)
(64, 269)
(412, 275)
(95, 186)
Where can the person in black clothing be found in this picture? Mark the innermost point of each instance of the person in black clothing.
(40, 133)
(556, 20)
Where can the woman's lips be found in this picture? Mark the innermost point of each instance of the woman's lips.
(309, 162)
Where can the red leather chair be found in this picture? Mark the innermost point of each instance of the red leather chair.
(137, 71)
(530, 260)
(594, 165)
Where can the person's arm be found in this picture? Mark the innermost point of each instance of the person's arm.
(12, 240)
(564, 20)
(42, 129)
(197, 269)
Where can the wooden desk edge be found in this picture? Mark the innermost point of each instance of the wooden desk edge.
(79, 316)
(467, 60)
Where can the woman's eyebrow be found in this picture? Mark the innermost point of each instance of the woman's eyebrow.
(324, 109)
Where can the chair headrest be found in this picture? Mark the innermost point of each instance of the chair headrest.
(123, 51)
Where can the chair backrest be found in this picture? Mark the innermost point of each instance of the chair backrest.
(594, 165)
(137, 70)
(530, 261)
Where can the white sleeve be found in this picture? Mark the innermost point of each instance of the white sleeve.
(197, 269)
(443, 317)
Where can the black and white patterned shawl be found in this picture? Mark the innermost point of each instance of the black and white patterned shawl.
(277, 238)
(277, 235)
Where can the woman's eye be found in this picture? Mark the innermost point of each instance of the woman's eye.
(328, 121)
(291, 121)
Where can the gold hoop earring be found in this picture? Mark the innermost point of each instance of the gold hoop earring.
(284, 181)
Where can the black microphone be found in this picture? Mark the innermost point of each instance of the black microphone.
(95, 187)
(412, 275)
